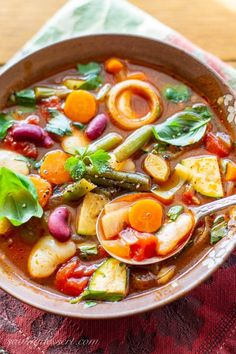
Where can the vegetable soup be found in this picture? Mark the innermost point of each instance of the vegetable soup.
(115, 139)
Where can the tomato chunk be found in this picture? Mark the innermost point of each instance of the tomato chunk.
(145, 247)
(73, 277)
(217, 145)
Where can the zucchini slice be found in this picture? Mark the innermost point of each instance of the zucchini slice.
(88, 213)
(108, 283)
(205, 175)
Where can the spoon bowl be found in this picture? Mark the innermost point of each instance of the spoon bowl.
(197, 212)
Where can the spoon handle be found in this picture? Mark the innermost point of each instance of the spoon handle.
(210, 208)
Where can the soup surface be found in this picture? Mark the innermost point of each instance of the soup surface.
(123, 140)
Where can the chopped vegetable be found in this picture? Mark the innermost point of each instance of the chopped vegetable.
(157, 167)
(5, 226)
(47, 92)
(166, 274)
(73, 84)
(146, 215)
(71, 144)
(117, 247)
(76, 190)
(107, 142)
(109, 282)
(91, 77)
(174, 212)
(14, 162)
(114, 222)
(205, 175)
(113, 65)
(137, 76)
(18, 199)
(58, 124)
(103, 92)
(88, 213)
(230, 171)
(167, 191)
(87, 249)
(173, 233)
(6, 122)
(115, 206)
(125, 120)
(80, 106)
(219, 229)
(43, 188)
(217, 145)
(124, 180)
(47, 254)
(144, 248)
(133, 143)
(53, 167)
(177, 93)
(183, 128)
(24, 97)
(126, 165)
(76, 165)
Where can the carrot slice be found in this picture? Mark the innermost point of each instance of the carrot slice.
(80, 106)
(53, 167)
(230, 172)
(137, 76)
(43, 188)
(113, 65)
(145, 215)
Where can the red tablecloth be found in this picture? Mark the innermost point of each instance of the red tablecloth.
(202, 322)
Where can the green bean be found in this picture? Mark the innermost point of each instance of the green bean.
(124, 180)
(107, 142)
(133, 143)
(45, 92)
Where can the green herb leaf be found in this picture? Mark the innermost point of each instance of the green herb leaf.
(76, 165)
(5, 123)
(58, 123)
(91, 75)
(183, 128)
(99, 160)
(18, 197)
(175, 211)
(89, 304)
(92, 82)
(177, 93)
(219, 229)
(24, 97)
(91, 68)
(87, 250)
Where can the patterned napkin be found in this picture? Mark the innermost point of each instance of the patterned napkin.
(202, 322)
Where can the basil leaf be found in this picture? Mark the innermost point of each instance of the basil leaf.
(183, 128)
(89, 304)
(5, 123)
(91, 68)
(24, 97)
(91, 75)
(174, 212)
(92, 83)
(58, 124)
(18, 197)
(87, 250)
(177, 93)
(219, 229)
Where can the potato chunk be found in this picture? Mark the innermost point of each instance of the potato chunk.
(173, 233)
(47, 255)
(14, 162)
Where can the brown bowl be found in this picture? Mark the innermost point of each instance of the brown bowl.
(165, 57)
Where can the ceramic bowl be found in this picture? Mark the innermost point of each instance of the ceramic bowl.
(164, 57)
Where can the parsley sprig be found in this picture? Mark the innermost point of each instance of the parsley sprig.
(76, 165)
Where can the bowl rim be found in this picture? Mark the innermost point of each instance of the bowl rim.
(165, 290)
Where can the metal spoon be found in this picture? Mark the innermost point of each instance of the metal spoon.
(198, 213)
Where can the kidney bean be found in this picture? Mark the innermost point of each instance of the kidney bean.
(31, 133)
(97, 126)
(58, 224)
